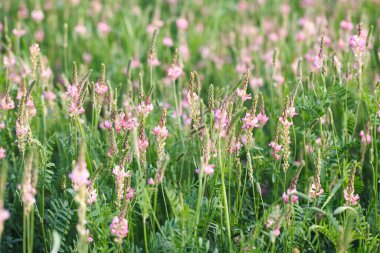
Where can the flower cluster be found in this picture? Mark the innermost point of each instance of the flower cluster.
(119, 228)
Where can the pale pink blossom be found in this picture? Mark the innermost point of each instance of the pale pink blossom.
(150, 181)
(276, 232)
(182, 24)
(2, 153)
(167, 41)
(250, 121)
(145, 107)
(101, 89)
(346, 25)
(174, 72)
(92, 196)
(313, 191)
(19, 32)
(160, 131)
(209, 169)
(80, 176)
(49, 96)
(256, 82)
(351, 198)
(119, 228)
(37, 15)
(290, 193)
(7, 103)
(130, 194)
(103, 28)
(262, 118)
(242, 93)
(365, 137)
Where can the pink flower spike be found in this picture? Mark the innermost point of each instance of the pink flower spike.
(182, 24)
(119, 228)
(2, 153)
(174, 72)
(209, 169)
(150, 181)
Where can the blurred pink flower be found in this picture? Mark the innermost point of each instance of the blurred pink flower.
(209, 169)
(37, 15)
(119, 228)
(103, 28)
(167, 41)
(2, 153)
(182, 24)
(174, 72)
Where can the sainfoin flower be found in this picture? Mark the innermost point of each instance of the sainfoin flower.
(7, 103)
(161, 132)
(289, 193)
(101, 89)
(276, 148)
(182, 23)
(250, 121)
(80, 176)
(2, 153)
(119, 228)
(350, 198)
(174, 72)
(209, 169)
(365, 137)
(357, 44)
(242, 93)
(4, 215)
(314, 191)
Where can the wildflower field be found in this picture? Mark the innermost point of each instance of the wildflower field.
(189, 126)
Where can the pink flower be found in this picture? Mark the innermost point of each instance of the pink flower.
(276, 232)
(145, 107)
(317, 63)
(150, 181)
(2, 153)
(256, 82)
(143, 144)
(103, 28)
(37, 15)
(49, 96)
(182, 24)
(285, 122)
(286, 196)
(250, 121)
(4, 215)
(262, 118)
(161, 132)
(242, 93)
(92, 196)
(80, 29)
(365, 137)
(130, 194)
(128, 123)
(80, 176)
(276, 148)
(351, 198)
(101, 89)
(153, 62)
(313, 191)
(7, 103)
(292, 112)
(209, 169)
(346, 25)
(174, 72)
(119, 228)
(19, 32)
(357, 44)
(167, 41)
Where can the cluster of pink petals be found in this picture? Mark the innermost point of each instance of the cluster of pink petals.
(101, 89)
(4, 215)
(313, 191)
(250, 121)
(351, 199)
(209, 169)
(317, 63)
(167, 41)
(289, 193)
(92, 196)
(80, 176)
(357, 44)
(276, 148)
(2, 153)
(285, 122)
(120, 173)
(28, 192)
(7, 103)
(119, 228)
(49, 96)
(150, 181)
(346, 25)
(145, 107)
(143, 144)
(182, 24)
(242, 93)
(103, 28)
(130, 193)
(174, 72)
(160, 132)
(125, 122)
(19, 32)
(262, 118)
(221, 121)
(37, 15)
(365, 137)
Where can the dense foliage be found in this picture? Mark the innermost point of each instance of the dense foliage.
(189, 126)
